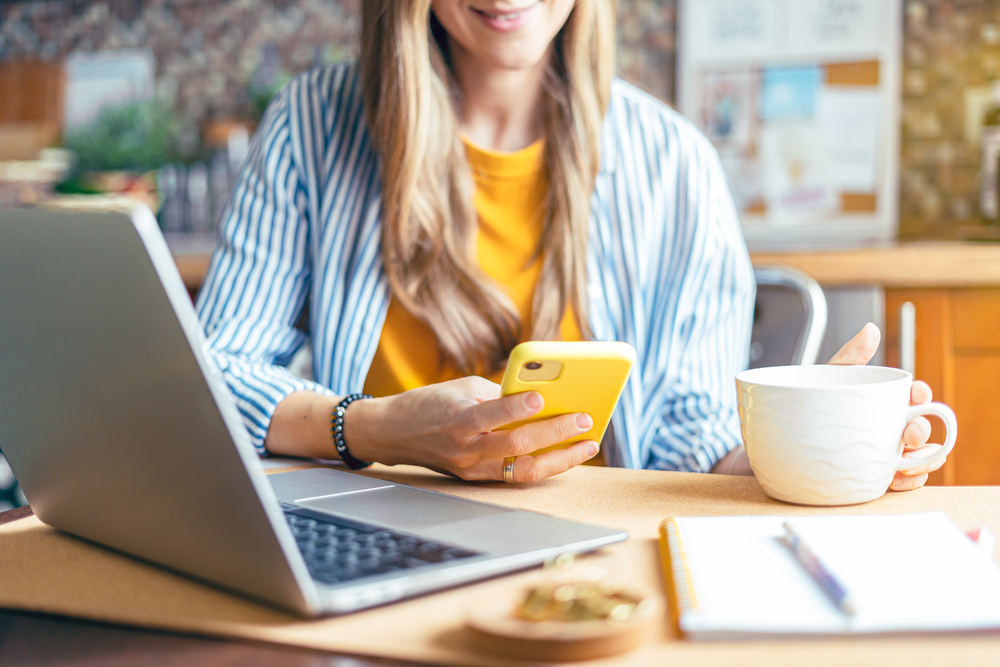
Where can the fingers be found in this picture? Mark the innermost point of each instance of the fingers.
(920, 393)
(531, 437)
(907, 480)
(903, 482)
(921, 452)
(860, 349)
(917, 432)
(492, 414)
(537, 468)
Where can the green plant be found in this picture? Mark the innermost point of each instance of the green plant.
(134, 137)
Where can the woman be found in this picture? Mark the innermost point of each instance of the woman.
(480, 180)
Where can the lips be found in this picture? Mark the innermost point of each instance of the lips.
(506, 16)
(505, 19)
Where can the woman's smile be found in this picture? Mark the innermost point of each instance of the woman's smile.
(502, 35)
(504, 19)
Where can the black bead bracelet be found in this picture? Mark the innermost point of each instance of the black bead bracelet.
(337, 432)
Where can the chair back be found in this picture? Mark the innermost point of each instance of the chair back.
(789, 319)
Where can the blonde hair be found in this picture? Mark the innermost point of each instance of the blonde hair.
(429, 225)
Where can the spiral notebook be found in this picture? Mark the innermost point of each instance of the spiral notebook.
(733, 577)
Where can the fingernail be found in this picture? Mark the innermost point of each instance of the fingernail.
(592, 450)
(533, 400)
(584, 421)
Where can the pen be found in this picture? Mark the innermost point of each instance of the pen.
(820, 574)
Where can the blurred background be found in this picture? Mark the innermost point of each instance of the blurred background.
(205, 70)
(158, 97)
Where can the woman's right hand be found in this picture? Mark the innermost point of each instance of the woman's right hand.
(452, 427)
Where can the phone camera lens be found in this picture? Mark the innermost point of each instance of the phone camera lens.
(533, 365)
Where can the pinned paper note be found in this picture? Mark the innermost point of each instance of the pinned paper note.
(847, 26)
(789, 92)
(848, 119)
(728, 109)
(795, 170)
(725, 28)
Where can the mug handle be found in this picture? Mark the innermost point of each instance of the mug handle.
(951, 432)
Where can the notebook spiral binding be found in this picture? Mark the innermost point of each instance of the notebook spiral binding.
(681, 596)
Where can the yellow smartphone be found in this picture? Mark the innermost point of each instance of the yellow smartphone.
(571, 377)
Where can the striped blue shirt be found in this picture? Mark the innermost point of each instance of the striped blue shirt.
(667, 268)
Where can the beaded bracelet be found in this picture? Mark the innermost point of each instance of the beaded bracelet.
(337, 432)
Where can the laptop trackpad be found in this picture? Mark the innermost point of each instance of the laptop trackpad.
(401, 507)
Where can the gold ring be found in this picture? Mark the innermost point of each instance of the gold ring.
(508, 469)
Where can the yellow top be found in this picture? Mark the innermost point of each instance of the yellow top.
(510, 200)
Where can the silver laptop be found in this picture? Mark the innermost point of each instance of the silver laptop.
(120, 431)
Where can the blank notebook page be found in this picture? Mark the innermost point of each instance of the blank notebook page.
(908, 573)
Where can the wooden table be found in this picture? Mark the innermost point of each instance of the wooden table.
(429, 629)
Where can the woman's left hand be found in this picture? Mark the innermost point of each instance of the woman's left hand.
(858, 351)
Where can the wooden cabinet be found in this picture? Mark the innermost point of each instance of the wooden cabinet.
(958, 355)
(31, 108)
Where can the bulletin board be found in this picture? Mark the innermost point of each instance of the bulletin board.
(802, 100)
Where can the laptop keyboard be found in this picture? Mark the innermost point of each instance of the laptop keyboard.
(341, 551)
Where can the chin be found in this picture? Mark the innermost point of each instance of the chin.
(515, 61)
(520, 53)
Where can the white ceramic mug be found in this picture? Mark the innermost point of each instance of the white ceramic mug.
(831, 435)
